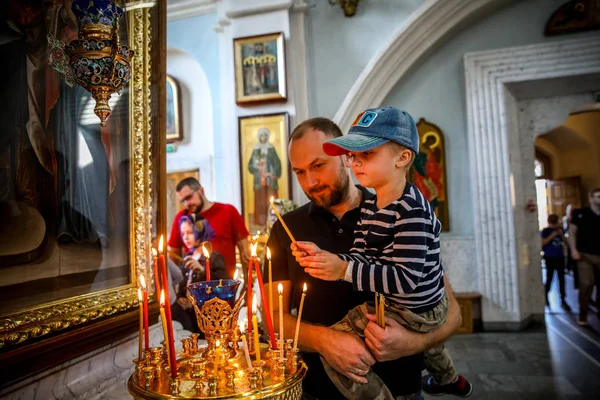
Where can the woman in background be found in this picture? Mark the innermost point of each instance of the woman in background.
(196, 233)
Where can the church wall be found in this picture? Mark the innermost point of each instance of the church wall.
(436, 91)
(196, 37)
(340, 47)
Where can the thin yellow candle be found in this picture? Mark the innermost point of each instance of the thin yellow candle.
(217, 356)
(255, 330)
(270, 284)
(299, 317)
(281, 220)
(164, 322)
(141, 302)
(281, 339)
(245, 347)
(382, 310)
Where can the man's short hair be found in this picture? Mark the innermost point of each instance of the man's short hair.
(192, 183)
(593, 191)
(325, 125)
(553, 219)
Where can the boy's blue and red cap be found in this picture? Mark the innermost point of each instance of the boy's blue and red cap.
(374, 127)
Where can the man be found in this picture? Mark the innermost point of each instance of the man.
(584, 238)
(329, 221)
(230, 229)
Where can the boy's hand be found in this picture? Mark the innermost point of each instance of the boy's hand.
(325, 265)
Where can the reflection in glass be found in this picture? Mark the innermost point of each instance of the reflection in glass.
(64, 180)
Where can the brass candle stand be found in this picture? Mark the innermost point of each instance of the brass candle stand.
(219, 369)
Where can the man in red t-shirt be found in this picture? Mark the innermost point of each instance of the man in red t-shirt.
(229, 227)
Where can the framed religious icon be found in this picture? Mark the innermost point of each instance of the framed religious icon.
(264, 166)
(78, 205)
(428, 172)
(260, 68)
(174, 126)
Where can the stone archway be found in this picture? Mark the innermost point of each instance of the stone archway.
(501, 132)
(434, 23)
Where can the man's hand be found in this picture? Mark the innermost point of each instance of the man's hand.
(394, 341)
(575, 255)
(347, 354)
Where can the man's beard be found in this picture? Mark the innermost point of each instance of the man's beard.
(336, 194)
(199, 208)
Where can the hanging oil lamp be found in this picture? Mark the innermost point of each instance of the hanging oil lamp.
(97, 60)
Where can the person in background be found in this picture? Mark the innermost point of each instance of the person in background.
(571, 264)
(553, 241)
(196, 233)
(584, 238)
(228, 224)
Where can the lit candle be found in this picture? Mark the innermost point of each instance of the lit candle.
(156, 276)
(299, 317)
(255, 326)
(281, 339)
(270, 283)
(249, 302)
(281, 220)
(141, 304)
(164, 321)
(145, 311)
(264, 298)
(171, 340)
(245, 346)
(217, 356)
(207, 255)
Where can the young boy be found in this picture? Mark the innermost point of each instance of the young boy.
(396, 248)
(553, 240)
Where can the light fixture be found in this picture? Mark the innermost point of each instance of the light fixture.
(349, 6)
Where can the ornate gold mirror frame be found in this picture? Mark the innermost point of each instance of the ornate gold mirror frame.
(45, 335)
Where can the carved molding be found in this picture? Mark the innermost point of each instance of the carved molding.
(499, 172)
(430, 26)
(181, 9)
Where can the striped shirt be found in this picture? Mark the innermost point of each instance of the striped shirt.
(396, 252)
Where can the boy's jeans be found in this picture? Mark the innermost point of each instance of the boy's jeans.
(437, 360)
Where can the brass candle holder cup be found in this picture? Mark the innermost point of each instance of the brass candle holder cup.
(218, 370)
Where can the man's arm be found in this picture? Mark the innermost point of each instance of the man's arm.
(573, 242)
(345, 352)
(395, 341)
(242, 246)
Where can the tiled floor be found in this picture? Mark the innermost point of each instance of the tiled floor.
(558, 361)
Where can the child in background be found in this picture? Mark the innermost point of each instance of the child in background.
(396, 248)
(553, 242)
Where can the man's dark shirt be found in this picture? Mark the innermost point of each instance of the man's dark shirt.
(328, 302)
(588, 230)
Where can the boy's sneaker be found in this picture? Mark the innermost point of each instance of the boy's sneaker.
(460, 387)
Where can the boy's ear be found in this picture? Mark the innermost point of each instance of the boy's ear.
(404, 158)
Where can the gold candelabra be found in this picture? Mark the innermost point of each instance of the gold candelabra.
(220, 369)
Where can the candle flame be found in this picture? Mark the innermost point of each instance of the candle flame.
(242, 326)
(140, 298)
(218, 343)
(304, 290)
(205, 251)
(161, 245)
(162, 297)
(280, 288)
(143, 282)
(272, 199)
(254, 304)
(236, 274)
(154, 253)
(253, 247)
(268, 253)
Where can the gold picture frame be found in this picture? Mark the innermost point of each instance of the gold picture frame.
(173, 116)
(260, 69)
(43, 335)
(264, 166)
